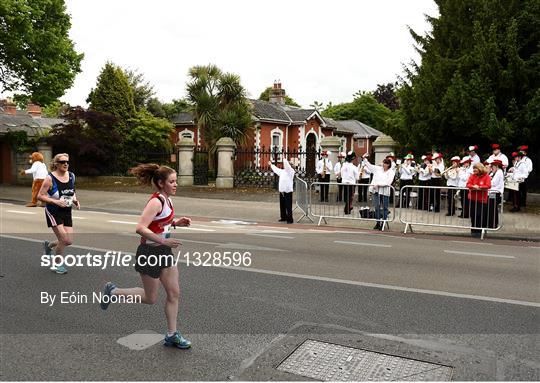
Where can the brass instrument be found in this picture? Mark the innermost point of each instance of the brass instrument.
(450, 172)
(324, 168)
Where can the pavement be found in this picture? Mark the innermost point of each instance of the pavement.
(259, 205)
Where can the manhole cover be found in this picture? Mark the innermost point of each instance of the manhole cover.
(331, 362)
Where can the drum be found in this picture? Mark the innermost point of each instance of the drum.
(512, 185)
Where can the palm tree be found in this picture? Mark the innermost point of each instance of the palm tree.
(220, 106)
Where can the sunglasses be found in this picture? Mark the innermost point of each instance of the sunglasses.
(63, 162)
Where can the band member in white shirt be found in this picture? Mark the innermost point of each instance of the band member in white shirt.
(436, 181)
(349, 175)
(337, 173)
(463, 177)
(365, 177)
(424, 179)
(498, 155)
(323, 169)
(519, 173)
(529, 166)
(383, 176)
(406, 173)
(451, 174)
(495, 193)
(472, 154)
(285, 187)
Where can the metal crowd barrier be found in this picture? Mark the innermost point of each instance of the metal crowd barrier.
(302, 198)
(330, 202)
(444, 206)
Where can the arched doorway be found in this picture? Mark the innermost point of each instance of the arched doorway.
(311, 154)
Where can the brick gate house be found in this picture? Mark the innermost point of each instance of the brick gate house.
(288, 127)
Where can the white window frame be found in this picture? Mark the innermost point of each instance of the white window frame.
(277, 131)
(185, 132)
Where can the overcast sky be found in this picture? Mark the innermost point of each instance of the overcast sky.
(320, 50)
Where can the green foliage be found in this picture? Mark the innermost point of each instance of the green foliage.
(54, 109)
(363, 108)
(37, 57)
(219, 103)
(149, 133)
(479, 77)
(175, 107)
(386, 94)
(113, 94)
(19, 141)
(142, 90)
(265, 96)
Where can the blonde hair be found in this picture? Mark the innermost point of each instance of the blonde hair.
(481, 168)
(55, 159)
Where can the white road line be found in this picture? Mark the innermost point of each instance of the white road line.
(271, 235)
(335, 280)
(479, 254)
(193, 228)
(21, 212)
(6, 203)
(362, 243)
(122, 222)
(75, 217)
(474, 243)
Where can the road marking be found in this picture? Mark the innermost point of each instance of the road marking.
(122, 222)
(271, 235)
(474, 243)
(21, 212)
(234, 222)
(479, 254)
(6, 203)
(335, 280)
(75, 217)
(193, 228)
(362, 243)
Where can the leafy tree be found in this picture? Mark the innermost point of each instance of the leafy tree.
(55, 109)
(386, 94)
(363, 108)
(37, 57)
(90, 139)
(318, 106)
(141, 89)
(155, 107)
(479, 76)
(219, 104)
(175, 107)
(113, 94)
(265, 96)
(148, 133)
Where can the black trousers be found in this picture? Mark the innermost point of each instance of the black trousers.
(451, 200)
(465, 204)
(324, 187)
(517, 196)
(405, 193)
(363, 190)
(423, 196)
(340, 190)
(493, 211)
(523, 186)
(348, 194)
(435, 194)
(285, 206)
(479, 213)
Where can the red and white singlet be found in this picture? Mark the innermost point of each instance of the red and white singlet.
(161, 223)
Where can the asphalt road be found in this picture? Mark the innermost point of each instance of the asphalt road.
(479, 297)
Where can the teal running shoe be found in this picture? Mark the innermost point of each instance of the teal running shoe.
(177, 340)
(61, 269)
(107, 290)
(46, 247)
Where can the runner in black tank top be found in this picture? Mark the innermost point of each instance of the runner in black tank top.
(58, 192)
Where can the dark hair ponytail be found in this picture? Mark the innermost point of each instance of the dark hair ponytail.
(148, 174)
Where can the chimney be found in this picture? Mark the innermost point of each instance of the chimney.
(34, 110)
(278, 95)
(8, 106)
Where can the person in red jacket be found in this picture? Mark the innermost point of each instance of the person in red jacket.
(478, 184)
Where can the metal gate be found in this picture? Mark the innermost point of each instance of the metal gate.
(200, 166)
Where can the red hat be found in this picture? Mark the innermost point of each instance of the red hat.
(515, 154)
(497, 162)
(473, 148)
(455, 159)
(437, 155)
(495, 146)
(523, 148)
